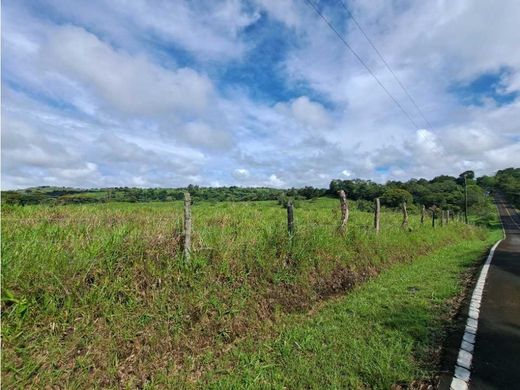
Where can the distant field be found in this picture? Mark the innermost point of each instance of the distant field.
(99, 295)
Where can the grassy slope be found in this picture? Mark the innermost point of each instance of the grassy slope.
(97, 295)
(386, 331)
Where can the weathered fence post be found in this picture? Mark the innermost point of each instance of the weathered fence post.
(433, 217)
(405, 215)
(187, 226)
(442, 217)
(290, 218)
(423, 213)
(344, 211)
(377, 215)
(447, 217)
(465, 199)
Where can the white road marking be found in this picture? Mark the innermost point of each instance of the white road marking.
(462, 373)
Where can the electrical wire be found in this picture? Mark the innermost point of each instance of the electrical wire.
(386, 64)
(313, 6)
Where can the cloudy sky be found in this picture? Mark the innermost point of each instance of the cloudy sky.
(262, 92)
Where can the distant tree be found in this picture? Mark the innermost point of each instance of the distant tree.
(393, 197)
(487, 182)
(468, 175)
(310, 192)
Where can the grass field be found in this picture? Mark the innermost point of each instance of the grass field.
(99, 295)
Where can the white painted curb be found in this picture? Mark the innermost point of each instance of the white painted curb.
(462, 374)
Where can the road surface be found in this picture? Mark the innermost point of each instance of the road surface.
(496, 359)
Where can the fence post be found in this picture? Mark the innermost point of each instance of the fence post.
(344, 211)
(433, 217)
(290, 218)
(442, 217)
(447, 217)
(187, 226)
(423, 212)
(405, 215)
(377, 215)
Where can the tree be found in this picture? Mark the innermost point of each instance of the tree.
(394, 197)
(466, 175)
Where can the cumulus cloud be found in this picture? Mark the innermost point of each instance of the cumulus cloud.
(201, 134)
(306, 112)
(241, 174)
(130, 84)
(106, 93)
(275, 181)
(284, 11)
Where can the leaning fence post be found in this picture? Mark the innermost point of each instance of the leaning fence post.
(290, 218)
(344, 211)
(405, 215)
(377, 215)
(187, 226)
(423, 212)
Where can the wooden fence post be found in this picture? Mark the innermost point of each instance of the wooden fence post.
(377, 215)
(187, 226)
(433, 217)
(344, 211)
(290, 218)
(447, 217)
(423, 213)
(405, 215)
(442, 217)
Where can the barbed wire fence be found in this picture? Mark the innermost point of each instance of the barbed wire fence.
(180, 222)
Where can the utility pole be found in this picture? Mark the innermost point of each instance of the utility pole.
(465, 199)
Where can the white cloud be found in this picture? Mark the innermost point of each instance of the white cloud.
(306, 112)
(139, 92)
(284, 11)
(130, 84)
(210, 30)
(76, 173)
(201, 134)
(241, 174)
(275, 181)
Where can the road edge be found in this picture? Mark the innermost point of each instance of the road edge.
(462, 370)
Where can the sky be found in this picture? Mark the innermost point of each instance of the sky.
(105, 93)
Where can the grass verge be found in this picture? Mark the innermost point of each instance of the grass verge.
(386, 331)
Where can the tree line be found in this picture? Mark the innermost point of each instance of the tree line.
(445, 192)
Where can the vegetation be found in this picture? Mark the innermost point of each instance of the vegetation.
(63, 195)
(444, 192)
(507, 181)
(99, 295)
(387, 331)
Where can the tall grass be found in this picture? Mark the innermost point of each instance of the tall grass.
(99, 295)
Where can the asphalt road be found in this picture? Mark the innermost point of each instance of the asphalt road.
(496, 359)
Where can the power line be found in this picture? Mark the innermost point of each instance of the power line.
(386, 64)
(363, 63)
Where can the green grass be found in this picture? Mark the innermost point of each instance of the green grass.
(386, 331)
(99, 295)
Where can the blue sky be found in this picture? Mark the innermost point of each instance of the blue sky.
(254, 93)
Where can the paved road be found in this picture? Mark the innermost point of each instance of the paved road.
(496, 360)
